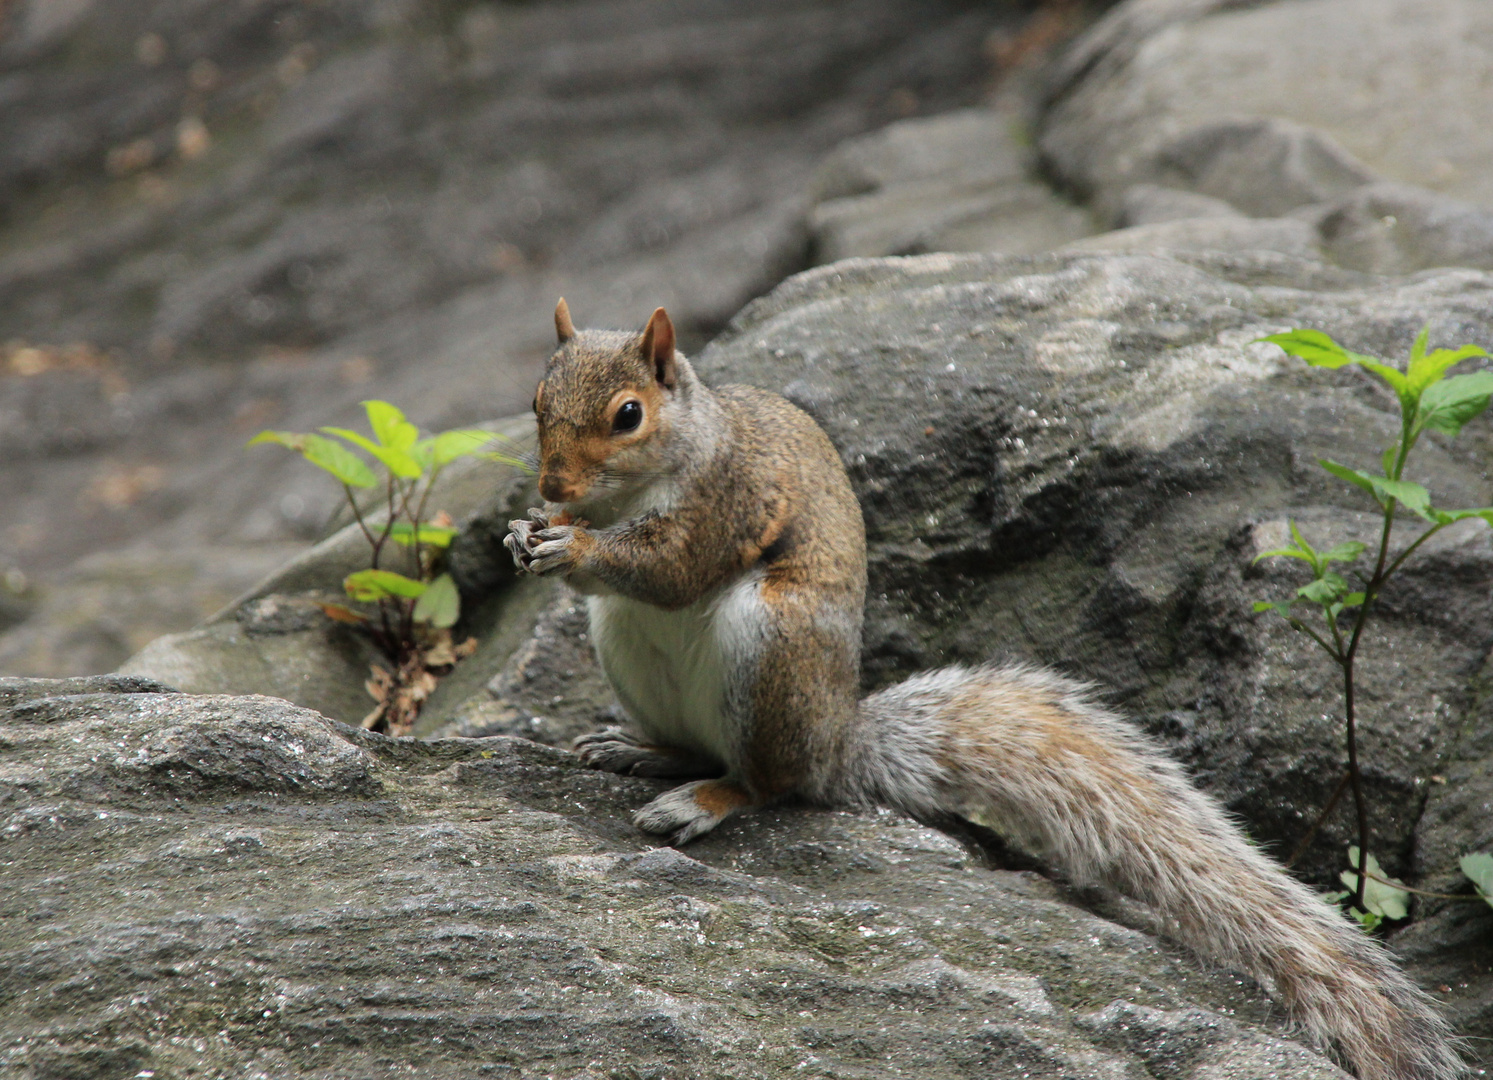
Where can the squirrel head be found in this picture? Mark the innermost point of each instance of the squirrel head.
(603, 406)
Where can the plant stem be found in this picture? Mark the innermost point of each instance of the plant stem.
(1297, 624)
(358, 514)
(414, 519)
(1370, 594)
(378, 545)
(1422, 892)
(1432, 531)
(1337, 793)
(1356, 780)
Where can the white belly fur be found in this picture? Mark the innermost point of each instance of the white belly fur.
(670, 669)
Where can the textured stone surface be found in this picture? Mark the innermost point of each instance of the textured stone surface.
(964, 181)
(1242, 102)
(218, 886)
(1400, 84)
(1073, 459)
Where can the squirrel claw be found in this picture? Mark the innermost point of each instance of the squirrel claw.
(519, 541)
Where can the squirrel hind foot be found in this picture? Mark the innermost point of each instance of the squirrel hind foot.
(691, 810)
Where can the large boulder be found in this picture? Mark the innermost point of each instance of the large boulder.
(235, 885)
(962, 181)
(1356, 117)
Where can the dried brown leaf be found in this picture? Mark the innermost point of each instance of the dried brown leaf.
(342, 613)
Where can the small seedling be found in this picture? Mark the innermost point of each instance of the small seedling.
(416, 606)
(1384, 897)
(1430, 400)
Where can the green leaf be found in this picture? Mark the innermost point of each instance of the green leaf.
(1313, 346)
(1302, 544)
(1479, 868)
(1386, 901)
(1325, 590)
(463, 442)
(324, 454)
(435, 535)
(1446, 517)
(1290, 553)
(1448, 405)
(397, 461)
(1283, 609)
(1352, 476)
(1429, 370)
(440, 604)
(377, 584)
(389, 425)
(1388, 460)
(1353, 599)
(1418, 348)
(1412, 497)
(1301, 550)
(1393, 376)
(1346, 553)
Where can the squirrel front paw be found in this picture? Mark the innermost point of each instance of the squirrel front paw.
(540, 545)
(522, 538)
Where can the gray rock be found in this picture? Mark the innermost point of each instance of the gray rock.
(963, 181)
(1074, 460)
(108, 606)
(1289, 236)
(1389, 228)
(1150, 204)
(262, 890)
(1152, 73)
(1245, 107)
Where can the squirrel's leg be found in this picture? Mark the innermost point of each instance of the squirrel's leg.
(796, 694)
(614, 749)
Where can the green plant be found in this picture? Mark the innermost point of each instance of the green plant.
(417, 604)
(1383, 897)
(1429, 401)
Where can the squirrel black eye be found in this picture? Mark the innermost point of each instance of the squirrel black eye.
(628, 417)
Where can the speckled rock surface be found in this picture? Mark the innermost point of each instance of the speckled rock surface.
(221, 886)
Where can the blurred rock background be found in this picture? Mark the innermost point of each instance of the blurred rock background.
(222, 216)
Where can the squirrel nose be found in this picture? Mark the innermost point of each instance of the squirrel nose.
(555, 489)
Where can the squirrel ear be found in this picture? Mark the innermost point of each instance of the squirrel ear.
(658, 348)
(564, 328)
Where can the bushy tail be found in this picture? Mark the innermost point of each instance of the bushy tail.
(1027, 751)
